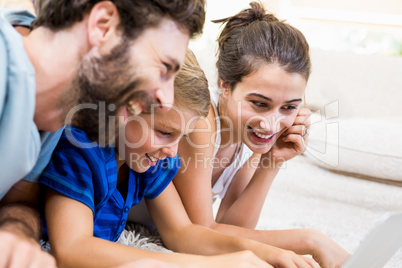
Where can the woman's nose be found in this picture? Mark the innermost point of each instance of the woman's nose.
(271, 122)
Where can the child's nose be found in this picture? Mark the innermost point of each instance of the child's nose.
(171, 151)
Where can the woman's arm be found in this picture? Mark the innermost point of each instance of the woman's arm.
(246, 194)
(179, 234)
(193, 180)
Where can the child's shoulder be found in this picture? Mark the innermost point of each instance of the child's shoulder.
(158, 177)
(76, 139)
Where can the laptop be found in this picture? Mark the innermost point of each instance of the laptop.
(380, 245)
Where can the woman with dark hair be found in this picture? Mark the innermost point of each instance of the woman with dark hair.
(256, 122)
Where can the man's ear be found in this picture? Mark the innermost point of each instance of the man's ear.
(102, 26)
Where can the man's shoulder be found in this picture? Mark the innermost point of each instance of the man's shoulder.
(20, 17)
(3, 69)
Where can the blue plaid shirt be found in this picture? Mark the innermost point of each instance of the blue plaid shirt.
(88, 173)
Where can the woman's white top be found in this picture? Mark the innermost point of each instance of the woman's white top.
(243, 153)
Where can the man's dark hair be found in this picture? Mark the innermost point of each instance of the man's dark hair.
(135, 15)
(93, 81)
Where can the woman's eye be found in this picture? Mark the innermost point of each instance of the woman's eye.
(290, 107)
(259, 104)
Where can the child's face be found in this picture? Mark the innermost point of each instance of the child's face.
(151, 137)
(263, 105)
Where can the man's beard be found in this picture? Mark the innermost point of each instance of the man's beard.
(102, 86)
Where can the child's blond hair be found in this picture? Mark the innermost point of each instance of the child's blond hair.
(191, 87)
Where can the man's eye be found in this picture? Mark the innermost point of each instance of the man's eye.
(259, 104)
(167, 70)
(168, 67)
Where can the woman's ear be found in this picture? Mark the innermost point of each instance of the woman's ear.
(225, 89)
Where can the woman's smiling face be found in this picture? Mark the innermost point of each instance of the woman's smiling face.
(262, 106)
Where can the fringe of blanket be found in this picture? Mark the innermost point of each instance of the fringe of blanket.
(142, 237)
(134, 235)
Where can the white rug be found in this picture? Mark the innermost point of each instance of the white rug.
(134, 235)
(142, 237)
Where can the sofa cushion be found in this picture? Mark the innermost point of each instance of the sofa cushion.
(370, 147)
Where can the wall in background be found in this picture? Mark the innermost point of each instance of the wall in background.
(24, 4)
(356, 49)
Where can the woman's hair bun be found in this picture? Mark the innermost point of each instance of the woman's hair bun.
(257, 12)
(252, 37)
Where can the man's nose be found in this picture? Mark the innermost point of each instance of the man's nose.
(165, 95)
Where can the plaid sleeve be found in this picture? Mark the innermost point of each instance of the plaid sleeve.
(159, 176)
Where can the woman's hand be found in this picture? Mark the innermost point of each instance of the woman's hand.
(293, 141)
(326, 251)
(241, 259)
(286, 258)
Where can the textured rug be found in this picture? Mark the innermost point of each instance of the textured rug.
(142, 237)
(134, 235)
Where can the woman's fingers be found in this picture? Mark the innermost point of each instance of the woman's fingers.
(300, 143)
(296, 129)
(303, 117)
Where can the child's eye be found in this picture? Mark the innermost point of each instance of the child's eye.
(165, 134)
(259, 104)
